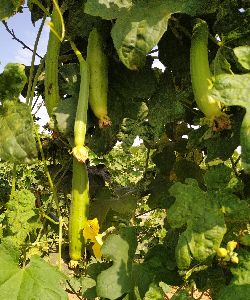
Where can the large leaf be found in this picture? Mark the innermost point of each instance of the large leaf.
(12, 81)
(232, 89)
(22, 216)
(155, 292)
(218, 145)
(79, 23)
(38, 280)
(116, 280)
(205, 222)
(129, 84)
(220, 64)
(123, 203)
(239, 288)
(107, 9)
(17, 143)
(9, 7)
(243, 55)
(136, 32)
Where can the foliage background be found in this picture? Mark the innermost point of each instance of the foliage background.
(165, 205)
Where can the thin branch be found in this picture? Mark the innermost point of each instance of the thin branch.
(145, 212)
(50, 181)
(38, 72)
(73, 290)
(35, 102)
(32, 65)
(153, 51)
(11, 32)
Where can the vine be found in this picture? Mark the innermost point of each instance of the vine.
(154, 205)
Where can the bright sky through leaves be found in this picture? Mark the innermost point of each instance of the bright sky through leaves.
(11, 50)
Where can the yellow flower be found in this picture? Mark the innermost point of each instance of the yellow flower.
(221, 252)
(231, 246)
(91, 232)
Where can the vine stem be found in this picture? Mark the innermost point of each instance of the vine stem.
(38, 72)
(77, 52)
(60, 243)
(53, 189)
(28, 97)
(51, 25)
(50, 181)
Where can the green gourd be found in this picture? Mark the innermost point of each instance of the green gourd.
(80, 183)
(245, 142)
(98, 67)
(200, 72)
(51, 64)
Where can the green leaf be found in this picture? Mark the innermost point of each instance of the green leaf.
(136, 127)
(184, 168)
(65, 116)
(154, 271)
(38, 280)
(36, 12)
(159, 193)
(243, 55)
(103, 140)
(116, 280)
(165, 159)
(205, 223)
(239, 287)
(142, 277)
(136, 32)
(218, 181)
(217, 177)
(181, 295)
(182, 253)
(155, 292)
(12, 81)
(107, 9)
(22, 216)
(70, 80)
(129, 84)
(78, 23)
(122, 202)
(88, 287)
(17, 143)
(9, 8)
(235, 210)
(218, 145)
(220, 64)
(64, 113)
(232, 89)
(245, 240)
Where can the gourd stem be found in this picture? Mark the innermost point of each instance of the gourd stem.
(38, 72)
(82, 106)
